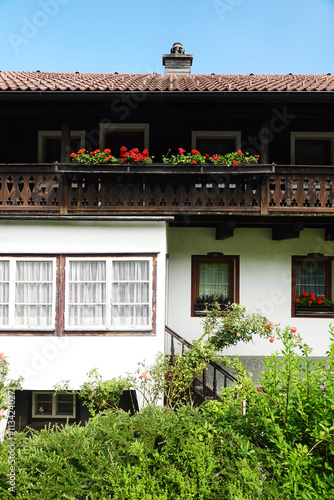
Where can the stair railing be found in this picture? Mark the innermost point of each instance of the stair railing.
(228, 378)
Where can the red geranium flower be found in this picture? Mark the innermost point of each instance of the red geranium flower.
(235, 164)
(297, 300)
(107, 151)
(240, 153)
(182, 151)
(272, 340)
(293, 329)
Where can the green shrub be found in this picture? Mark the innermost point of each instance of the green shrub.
(159, 453)
(291, 417)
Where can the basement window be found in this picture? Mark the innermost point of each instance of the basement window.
(53, 405)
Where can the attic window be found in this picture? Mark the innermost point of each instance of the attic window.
(216, 142)
(49, 144)
(130, 135)
(312, 148)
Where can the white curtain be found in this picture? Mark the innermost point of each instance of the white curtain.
(214, 279)
(33, 293)
(4, 292)
(87, 293)
(130, 293)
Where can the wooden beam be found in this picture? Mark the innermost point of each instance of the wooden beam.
(225, 230)
(287, 231)
(65, 141)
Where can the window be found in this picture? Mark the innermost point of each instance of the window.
(77, 294)
(49, 144)
(311, 274)
(27, 294)
(312, 148)
(213, 275)
(216, 142)
(53, 405)
(130, 135)
(108, 294)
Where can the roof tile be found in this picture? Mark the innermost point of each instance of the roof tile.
(106, 82)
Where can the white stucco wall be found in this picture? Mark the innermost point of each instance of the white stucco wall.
(265, 281)
(44, 361)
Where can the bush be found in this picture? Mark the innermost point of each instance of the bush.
(156, 454)
(291, 417)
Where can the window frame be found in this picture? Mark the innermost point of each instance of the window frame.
(316, 258)
(311, 136)
(12, 295)
(44, 135)
(58, 313)
(216, 134)
(109, 280)
(106, 128)
(54, 401)
(214, 258)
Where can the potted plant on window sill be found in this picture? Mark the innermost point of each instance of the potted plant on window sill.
(309, 304)
(204, 303)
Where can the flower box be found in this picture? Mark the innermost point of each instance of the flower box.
(314, 310)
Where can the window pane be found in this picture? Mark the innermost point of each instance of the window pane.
(4, 293)
(34, 293)
(214, 279)
(130, 293)
(311, 277)
(130, 315)
(43, 404)
(216, 146)
(64, 404)
(313, 152)
(87, 293)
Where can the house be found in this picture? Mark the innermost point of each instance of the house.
(95, 260)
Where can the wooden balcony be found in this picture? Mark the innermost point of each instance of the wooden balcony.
(73, 190)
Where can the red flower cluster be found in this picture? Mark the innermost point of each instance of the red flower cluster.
(134, 156)
(309, 299)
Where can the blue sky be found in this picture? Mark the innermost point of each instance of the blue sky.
(130, 36)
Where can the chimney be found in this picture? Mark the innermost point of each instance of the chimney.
(177, 62)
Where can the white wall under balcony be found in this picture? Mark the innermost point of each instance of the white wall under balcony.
(265, 281)
(46, 360)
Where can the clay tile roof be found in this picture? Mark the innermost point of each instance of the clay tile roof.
(106, 82)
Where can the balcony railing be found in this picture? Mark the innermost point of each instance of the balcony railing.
(254, 190)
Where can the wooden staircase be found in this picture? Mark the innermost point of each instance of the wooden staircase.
(214, 377)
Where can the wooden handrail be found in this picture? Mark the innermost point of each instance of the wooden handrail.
(216, 367)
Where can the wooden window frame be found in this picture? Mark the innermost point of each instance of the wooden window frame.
(309, 137)
(106, 128)
(214, 258)
(12, 326)
(216, 134)
(59, 290)
(316, 258)
(54, 400)
(44, 135)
